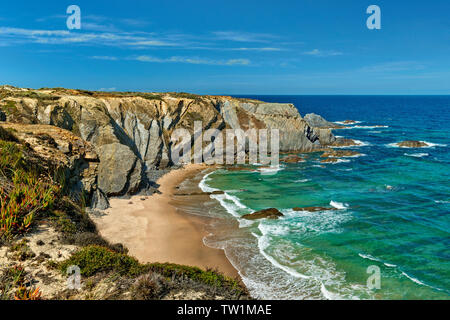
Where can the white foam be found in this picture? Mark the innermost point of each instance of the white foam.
(229, 202)
(273, 229)
(204, 186)
(356, 155)
(428, 145)
(328, 294)
(416, 155)
(338, 205)
(432, 145)
(353, 156)
(320, 275)
(339, 161)
(302, 180)
(270, 170)
(347, 124)
(372, 258)
(311, 275)
(263, 244)
(441, 201)
(370, 127)
(232, 206)
(358, 143)
(364, 127)
(415, 280)
(389, 265)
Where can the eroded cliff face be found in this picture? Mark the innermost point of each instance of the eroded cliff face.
(131, 132)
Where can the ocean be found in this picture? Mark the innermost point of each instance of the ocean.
(393, 217)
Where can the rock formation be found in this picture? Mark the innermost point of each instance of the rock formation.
(412, 144)
(342, 142)
(292, 159)
(63, 149)
(314, 120)
(131, 132)
(331, 153)
(271, 213)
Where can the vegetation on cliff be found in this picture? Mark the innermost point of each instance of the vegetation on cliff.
(37, 203)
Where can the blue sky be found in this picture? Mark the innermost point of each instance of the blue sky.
(228, 47)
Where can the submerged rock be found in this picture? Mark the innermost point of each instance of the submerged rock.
(293, 159)
(342, 142)
(412, 144)
(339, 153)
(329, 160)
(349, 122)
(313, 209)
(271, 213)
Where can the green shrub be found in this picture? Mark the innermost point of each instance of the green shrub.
(19, 206)
(184, 95)
(85, 239)
(26, 192)
(10, 107)
(94, 259)
(22, 251)
(11, 157)
(150, 286)
(208, 277)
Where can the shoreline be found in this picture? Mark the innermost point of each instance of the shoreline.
(154, 230)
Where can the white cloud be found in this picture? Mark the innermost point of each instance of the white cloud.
(192, 60)
(130, 39)
(321, 53)
(105, 58)
(257, 49)
(394, 66)
(244, 36)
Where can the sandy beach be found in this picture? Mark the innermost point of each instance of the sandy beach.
(155, 231)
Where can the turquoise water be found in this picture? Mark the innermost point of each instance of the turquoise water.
(394, 206)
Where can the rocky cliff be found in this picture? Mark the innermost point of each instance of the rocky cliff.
(130, 132)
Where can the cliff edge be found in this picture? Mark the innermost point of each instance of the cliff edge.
(129, 132)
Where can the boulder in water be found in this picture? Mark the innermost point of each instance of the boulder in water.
(412, 144)
(330, 160)
(271, 213)
(339, 153)
(293, 159)
(341, 142)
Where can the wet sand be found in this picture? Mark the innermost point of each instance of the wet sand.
(155, 231)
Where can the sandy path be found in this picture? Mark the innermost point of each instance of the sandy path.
(154, 231)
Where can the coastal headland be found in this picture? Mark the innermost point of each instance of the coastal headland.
(114, 149)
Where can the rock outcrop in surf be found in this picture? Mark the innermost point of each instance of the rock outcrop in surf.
(412, 144)
(271, 213)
